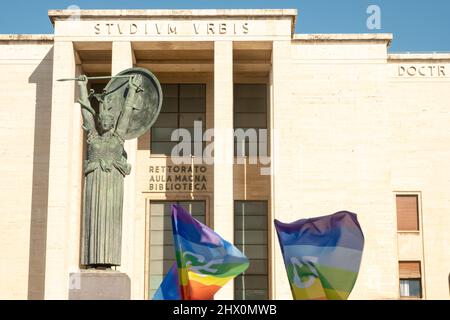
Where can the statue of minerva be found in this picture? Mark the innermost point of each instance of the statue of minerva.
(128, 106)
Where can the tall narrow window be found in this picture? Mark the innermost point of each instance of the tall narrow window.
(410, 279)
(250, 117)
(162, 252)
(182, 105)
(407, 212)
(250, 236)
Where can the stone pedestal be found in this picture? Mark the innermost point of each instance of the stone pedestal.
(99, 285)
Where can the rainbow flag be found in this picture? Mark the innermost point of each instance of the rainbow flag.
(205, 261)
(322, 255)
(170, 287)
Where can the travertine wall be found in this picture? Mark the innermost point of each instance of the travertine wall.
(333, 113)
(25, 107)
(419, 109)
(361, 133)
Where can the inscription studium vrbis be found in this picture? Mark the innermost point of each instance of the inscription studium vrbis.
(261, 28)
(171, 28)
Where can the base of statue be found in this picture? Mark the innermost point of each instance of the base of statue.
(95, 284)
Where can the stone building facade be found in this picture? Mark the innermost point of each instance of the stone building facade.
(349, 127)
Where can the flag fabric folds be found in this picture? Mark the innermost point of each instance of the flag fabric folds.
(322, 255)
(205, 261)
(170, 287)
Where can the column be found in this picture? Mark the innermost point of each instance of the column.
(77, 187)
(223, 148)
(122, 59)
(280, 203)
(60, 173)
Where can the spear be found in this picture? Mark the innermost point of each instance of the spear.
(97, 78)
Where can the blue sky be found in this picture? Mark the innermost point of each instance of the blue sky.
(417, 25)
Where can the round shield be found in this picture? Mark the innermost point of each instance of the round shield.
(146, 106)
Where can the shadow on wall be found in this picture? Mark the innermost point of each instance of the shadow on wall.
(42, 77)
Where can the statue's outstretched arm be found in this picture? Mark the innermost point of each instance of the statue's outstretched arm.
(87, 111)
(134, 86)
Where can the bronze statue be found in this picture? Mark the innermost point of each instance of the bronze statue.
(128, 106)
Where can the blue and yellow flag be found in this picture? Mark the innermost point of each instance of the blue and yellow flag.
(322, 255)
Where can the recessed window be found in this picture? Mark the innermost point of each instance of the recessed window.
(182, 105)
(162, 251)
(407, 212)
(250, 118)
(251, 237)
(410, 279)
